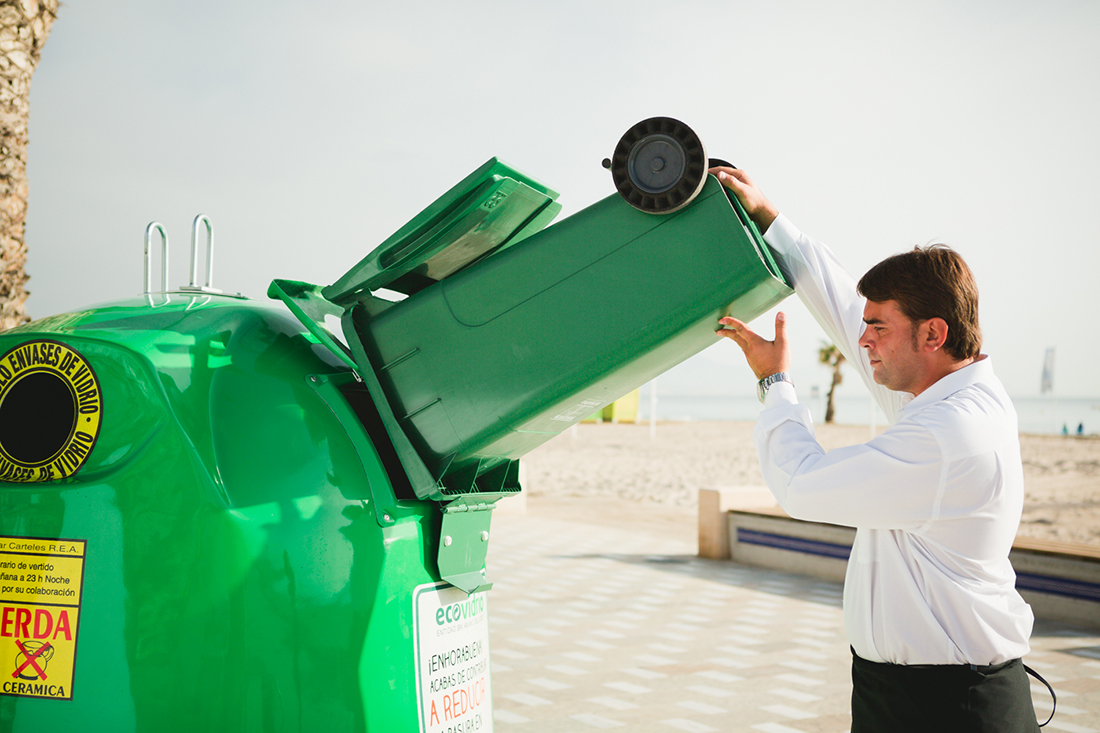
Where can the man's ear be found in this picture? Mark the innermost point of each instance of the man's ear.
(935, 335)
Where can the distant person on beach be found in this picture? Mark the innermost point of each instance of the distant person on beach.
(936, 626)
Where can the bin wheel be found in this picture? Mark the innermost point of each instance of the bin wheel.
(659, 165)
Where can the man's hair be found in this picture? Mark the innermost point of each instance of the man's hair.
(931, 282)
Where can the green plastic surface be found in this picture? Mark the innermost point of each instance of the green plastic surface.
(493, 207)
(312, 310)
(248, 566)
(464, 545)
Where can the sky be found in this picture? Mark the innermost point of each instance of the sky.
(308, 133)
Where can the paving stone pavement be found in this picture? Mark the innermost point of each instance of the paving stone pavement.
(595, 627)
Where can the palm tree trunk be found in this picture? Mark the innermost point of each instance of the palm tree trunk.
(24, 26)
(830, 355)
(830, 412)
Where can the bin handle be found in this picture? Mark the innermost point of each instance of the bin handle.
(156, 226)
(202, 219)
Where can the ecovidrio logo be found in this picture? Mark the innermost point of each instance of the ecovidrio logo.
(470, 608)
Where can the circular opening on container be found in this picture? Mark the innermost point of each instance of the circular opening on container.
(37, 417)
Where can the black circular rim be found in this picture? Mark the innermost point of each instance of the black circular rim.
(659, 165)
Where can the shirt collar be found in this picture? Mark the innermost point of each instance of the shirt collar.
(979, 371)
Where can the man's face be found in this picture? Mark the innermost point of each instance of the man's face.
(891, 342)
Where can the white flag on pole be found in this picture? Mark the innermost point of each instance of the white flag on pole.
(1047, 384)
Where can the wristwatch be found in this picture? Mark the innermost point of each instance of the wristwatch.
(763, 385)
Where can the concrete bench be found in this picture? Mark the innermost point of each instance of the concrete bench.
(1061, 581)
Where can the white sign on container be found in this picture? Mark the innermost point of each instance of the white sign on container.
(451, 641)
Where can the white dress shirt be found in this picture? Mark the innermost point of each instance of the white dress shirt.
(936, 498)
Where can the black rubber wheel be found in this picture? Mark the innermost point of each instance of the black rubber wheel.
(659, 165)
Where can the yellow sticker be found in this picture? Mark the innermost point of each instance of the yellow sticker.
(50, 410)
(41, 583)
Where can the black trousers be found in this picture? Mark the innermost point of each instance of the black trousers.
(893, 698)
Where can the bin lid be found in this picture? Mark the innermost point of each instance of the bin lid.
(494, 207)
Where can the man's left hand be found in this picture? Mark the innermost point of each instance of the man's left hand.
(764, 357)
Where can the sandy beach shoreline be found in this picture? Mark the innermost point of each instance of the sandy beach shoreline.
(620, 468)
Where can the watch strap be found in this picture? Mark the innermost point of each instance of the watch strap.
(763, 385)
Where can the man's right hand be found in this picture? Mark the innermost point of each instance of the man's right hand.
(764, 357)
(760, 210)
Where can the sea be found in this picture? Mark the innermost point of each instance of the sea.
(1037, 415)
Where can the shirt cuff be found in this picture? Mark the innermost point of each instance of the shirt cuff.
(779, 394)
(782, 235)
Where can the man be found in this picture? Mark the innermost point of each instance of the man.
(936, 626)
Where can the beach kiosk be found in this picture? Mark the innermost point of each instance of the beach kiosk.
(224, 514)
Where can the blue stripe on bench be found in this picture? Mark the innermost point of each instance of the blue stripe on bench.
(1059, 586)
(1024, 581)
(785, 542)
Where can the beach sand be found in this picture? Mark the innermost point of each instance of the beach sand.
(609, 472)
